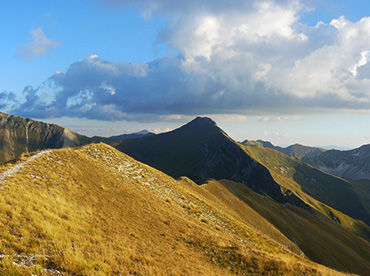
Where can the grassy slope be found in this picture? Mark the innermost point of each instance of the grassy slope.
(96, 211)
(320, 190)
(296, 150)
(321, 239)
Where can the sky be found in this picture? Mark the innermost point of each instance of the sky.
(286, 71)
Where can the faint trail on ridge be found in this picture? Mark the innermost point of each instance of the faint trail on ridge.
(13, 170)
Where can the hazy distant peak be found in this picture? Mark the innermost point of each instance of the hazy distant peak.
(133, 135)
(142, 132)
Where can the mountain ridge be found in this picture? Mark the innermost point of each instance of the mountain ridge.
(200, 149)
(349, 164)
(295, 150)
(126, 219)
(21, 135)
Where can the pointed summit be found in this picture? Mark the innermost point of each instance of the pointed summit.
(200, 125)
(202, 121)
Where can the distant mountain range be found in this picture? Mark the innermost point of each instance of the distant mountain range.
(296, 150)
(253, 190)
(350, 164)
(134, 135)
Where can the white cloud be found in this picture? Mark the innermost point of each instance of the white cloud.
(159, 130)
(240, 57)
(278, 118)
(331, 69)
(362, 62)
(39, 46)
(275, 134)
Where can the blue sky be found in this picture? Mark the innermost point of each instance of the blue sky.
(281, 70)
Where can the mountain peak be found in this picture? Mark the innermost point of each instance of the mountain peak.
(143, 132)
(202, 121)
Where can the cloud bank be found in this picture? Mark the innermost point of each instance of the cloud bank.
(238, 57)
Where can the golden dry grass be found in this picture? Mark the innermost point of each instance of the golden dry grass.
(96, 211)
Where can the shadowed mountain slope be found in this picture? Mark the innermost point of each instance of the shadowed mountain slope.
(200, 149)
(22, 135)
(350, 164)
(126, 218)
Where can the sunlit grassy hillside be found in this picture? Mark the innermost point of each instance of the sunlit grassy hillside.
(324, 192)
(321, 238)
(96, 211)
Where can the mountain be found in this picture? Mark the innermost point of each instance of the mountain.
(320, 190)
(134, 135)
(200, 149)
(350, 164)
(260, 143)
(22, 135)
(264, 215)
(126, 218)
(296, 150)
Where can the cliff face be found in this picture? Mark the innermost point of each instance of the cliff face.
(22, 135)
